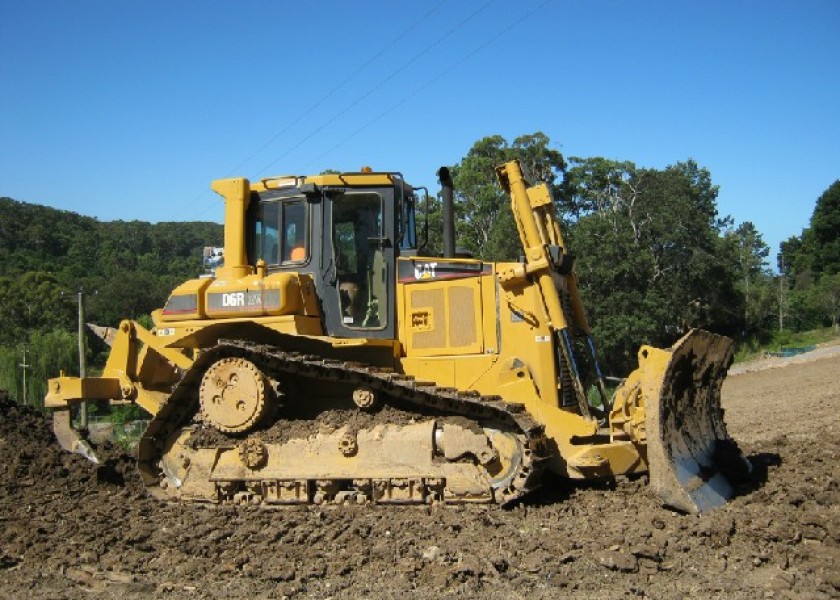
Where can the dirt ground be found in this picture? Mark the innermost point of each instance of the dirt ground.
(68, 530)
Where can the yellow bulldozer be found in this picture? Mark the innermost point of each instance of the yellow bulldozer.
(330, 359)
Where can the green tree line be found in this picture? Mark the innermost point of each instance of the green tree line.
(810, 268)
(654, 256)
(126, 270)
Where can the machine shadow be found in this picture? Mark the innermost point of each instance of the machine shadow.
(760, 462)
(556, 489)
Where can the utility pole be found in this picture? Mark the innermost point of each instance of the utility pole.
(23, 366)
(782, 300)
(83, 409)
(782, 288)
(80, 299)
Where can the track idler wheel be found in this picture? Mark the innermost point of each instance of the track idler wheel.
(233, 395)
(364, 398)
(253, 453)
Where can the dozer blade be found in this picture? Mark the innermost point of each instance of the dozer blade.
(68, 438)
(694, 464)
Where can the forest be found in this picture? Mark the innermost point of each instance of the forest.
(47, 256)
(654, 258)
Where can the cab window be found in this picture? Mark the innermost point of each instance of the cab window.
(280, 232)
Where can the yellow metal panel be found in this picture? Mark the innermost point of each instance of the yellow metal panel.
(462, 372)
(490, 313)
(64, 390)
(605, 460)
(402, 315)
(200, 334)
(193, 288)
(151, 341)
(539, 196)
(354, 179)
(278, 294)
(309, 295)
(332, 179)
(526, 337)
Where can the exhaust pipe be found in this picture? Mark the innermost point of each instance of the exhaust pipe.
(447, 192)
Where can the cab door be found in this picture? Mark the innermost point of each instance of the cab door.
(359, 256)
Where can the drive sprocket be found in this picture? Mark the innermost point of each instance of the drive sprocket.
(233, 395)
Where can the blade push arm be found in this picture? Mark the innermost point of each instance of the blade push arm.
(550, 267)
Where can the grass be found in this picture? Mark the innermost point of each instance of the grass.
(754, 347)
(127, 421)
(594, 396)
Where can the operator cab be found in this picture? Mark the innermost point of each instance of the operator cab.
(345, 230)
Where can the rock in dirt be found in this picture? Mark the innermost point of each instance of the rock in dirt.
(618, 561)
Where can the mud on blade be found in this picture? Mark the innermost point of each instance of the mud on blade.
(694, 464)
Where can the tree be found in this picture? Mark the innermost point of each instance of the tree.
(755, 281)
(47, 355)
(816, 251)
(828, 298)
(651, 259)
(808, 259)
(44, 252)
(614, 278)
(484, 221)
(31, 302)
(597, 185)
(825, 225)
(51, 353)
(132, 294)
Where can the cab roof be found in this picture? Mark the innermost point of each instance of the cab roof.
(355, 179)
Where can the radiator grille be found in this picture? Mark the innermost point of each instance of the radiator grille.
(462, 316)
(444, 318)
(433, 301)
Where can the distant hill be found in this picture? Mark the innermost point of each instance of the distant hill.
(131, 266)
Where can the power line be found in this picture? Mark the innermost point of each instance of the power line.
(399, 37)
(381, 83)
(344, 82)
(373, 89)
(414, 93)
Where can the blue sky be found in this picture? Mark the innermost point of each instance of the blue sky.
(127, 110)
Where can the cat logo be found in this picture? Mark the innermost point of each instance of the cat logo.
(425, 271)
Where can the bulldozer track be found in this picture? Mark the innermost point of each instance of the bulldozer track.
(391, 386)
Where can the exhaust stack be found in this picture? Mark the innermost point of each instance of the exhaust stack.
(447, 192)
